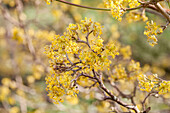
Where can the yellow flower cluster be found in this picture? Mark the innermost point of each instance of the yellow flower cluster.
(128, 70)
(18, 34)
(85, 82)
(42, 36)
(153, 83)
(38, 71)
(126, 52)
(133, 3)
(59, 85)
(71, 44)
(134, 69)
(61, 46)
(79, 49)
(145, 84)
(118, 7)
(5, 90)
(120, 72)
(134, 66)
(97, 44)
(164, 87)
(152, 31)
(94, 61)
(112, 49)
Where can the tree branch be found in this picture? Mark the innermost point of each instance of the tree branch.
(81, 6)
(162, 11)
(112, 97)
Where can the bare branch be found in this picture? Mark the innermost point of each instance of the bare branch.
(111, 96)
(162, 11)
(86, 7)
(7, 16)
(143, 102)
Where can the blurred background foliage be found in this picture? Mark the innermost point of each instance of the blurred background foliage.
(22, 86)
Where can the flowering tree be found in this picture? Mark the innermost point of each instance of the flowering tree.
(80, 55)
(85, 62)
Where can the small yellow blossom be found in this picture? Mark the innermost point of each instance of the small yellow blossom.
(11, 100)
(120, 73)
(6, 81)
(134, 66)
(164, 87)
(30, 79)
(152, 31)
(126, 52)
(116, 8)
(18, 34)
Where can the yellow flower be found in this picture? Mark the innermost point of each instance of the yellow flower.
(152, 31)
(126, 52)
(30, 79)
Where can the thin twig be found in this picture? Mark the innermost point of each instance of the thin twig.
(112, 97)
(81, 6)
(69, 59)
(143, 102)
(162, 11)
(7, 16)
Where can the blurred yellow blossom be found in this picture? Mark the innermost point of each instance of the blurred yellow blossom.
(126, 52)
(14, 110)
(30, 79)
(11, 100)
(72, 100)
